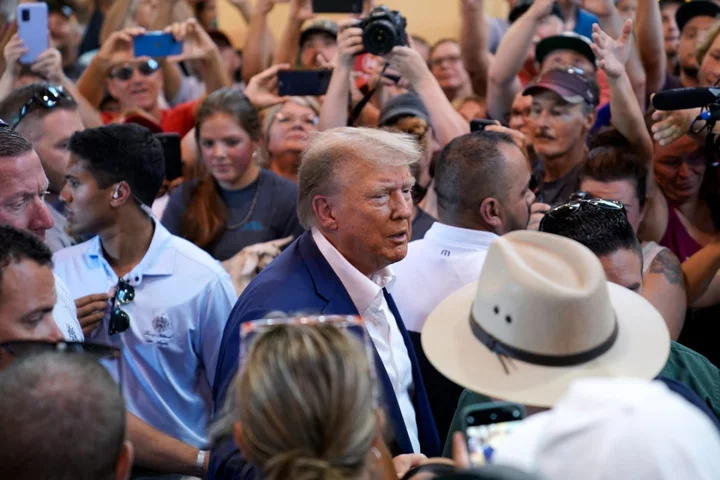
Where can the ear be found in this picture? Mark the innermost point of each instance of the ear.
(124, 463)
(237, 436)
(120, 194)
(589, 120)
(110, 85)
(323, 209)
(491, 214)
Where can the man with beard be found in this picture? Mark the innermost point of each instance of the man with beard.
(693, 19)
(483, 187)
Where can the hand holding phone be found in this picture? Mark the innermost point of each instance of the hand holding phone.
(479, 124)
(32, 21)
(487, 425)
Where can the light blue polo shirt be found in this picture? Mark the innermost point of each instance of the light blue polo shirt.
(183, 298)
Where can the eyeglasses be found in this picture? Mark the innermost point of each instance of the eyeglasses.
(48, 99)
(451, 59)
(125, 72)
(563, 212)
(119, 319)
(579, 196)
(27, 348)
(305, 119)
(3, 124)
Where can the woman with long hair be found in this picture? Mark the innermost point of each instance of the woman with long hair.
(286, 129)
(235, 203)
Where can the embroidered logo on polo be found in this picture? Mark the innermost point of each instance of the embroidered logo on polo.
(161, 333)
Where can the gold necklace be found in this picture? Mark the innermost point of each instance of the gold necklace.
(235, 226)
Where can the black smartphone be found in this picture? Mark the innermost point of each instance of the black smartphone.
(173, 154)
(337, 6)
(486, 425)
(479, 124)
(302, 82)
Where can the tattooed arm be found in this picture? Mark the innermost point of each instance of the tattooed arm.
(664, 287)
(702, 276)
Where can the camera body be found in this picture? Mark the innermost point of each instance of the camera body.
(383, 29)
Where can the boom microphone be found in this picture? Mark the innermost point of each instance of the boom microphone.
(684, 98)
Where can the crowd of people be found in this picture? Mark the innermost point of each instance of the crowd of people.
(331, 283)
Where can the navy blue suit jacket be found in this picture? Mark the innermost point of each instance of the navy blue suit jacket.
(301, 280)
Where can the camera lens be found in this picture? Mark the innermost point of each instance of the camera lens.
(26, 15)
(493, 416)
(379, 37)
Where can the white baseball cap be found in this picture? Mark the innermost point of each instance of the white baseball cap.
(616, 428)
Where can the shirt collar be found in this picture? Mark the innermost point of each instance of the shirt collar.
(457, 237)
(158, 260)
(362, 290)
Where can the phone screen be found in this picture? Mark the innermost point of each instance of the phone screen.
(487, 427)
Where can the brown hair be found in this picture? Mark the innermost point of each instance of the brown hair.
(206, 215)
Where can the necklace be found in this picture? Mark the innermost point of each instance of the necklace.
(249, 214)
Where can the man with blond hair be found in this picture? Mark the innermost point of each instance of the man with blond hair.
(355, 202)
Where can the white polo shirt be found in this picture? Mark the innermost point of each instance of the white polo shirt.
(447, 259)
(183, 298)
(367, 295)
(65, 313)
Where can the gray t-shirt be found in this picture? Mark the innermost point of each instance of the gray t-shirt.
(557, 191)
(274, 215)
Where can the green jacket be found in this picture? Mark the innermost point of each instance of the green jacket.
(684, 365)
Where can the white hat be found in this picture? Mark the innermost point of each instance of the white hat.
(607, 429)
(542, 315)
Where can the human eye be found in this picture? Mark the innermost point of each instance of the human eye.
(232, 142)
(205, 143)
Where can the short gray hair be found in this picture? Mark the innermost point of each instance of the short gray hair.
(61, 416)
(331, 149)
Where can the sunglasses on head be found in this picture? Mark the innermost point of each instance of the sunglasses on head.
(119, 319)
(48, 98)
(563, 212)
(125, 72)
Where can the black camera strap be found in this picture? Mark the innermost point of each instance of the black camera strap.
(355, 113)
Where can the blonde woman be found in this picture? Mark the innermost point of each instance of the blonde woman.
(286, 129)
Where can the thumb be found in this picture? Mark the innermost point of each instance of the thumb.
(282, 241)
(627, 30)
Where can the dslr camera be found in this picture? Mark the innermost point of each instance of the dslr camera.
(383, 29)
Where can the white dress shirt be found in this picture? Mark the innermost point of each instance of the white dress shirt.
(183, 298)
(367, 296)
(447, 259)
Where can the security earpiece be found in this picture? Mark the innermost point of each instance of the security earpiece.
(116, 193)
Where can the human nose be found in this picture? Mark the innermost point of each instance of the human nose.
(218, 150)
(52, 331)
(403, 206)
(684, 170)
(42, 218)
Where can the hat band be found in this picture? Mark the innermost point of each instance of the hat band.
(501, 348)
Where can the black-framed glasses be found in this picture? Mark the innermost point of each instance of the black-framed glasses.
(3, 124)
(119, 319)
(27, 348)
(48, 98)
(125, 72)
(578, 196)
(567, 210)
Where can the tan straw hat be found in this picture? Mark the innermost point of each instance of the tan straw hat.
(542, 315)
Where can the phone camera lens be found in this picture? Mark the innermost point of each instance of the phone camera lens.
(471, 419)
(26, 15)
(516, 414)
(493, 416)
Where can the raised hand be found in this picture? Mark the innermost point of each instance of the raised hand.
(13, 51)
(49, 66)
(612, 55)
(350, 42)
(119, 41)
(541, 8)
(301, 10)
(262, 88)
(599, 8)
(669, 126)
(197, 44)
(409, 63)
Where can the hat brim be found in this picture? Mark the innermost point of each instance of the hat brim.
(641, 350)
(566, 94)
(395, 115)
(560, 42)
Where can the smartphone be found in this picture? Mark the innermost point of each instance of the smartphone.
(156, 44)
(479, 124)
(337, 6)
(32, 22)
(486, 425)
(173, 154)
(303, 82)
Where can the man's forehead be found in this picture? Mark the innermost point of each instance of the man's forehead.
(62, 122)
(126, 57)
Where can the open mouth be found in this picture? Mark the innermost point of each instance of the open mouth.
(401, 237)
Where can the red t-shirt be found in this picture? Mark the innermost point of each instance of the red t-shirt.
(179, 119)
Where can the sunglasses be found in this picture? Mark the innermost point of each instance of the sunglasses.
(125, 72)
(119, 319)
(563, 212)
(48, 98)
(27, 348)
